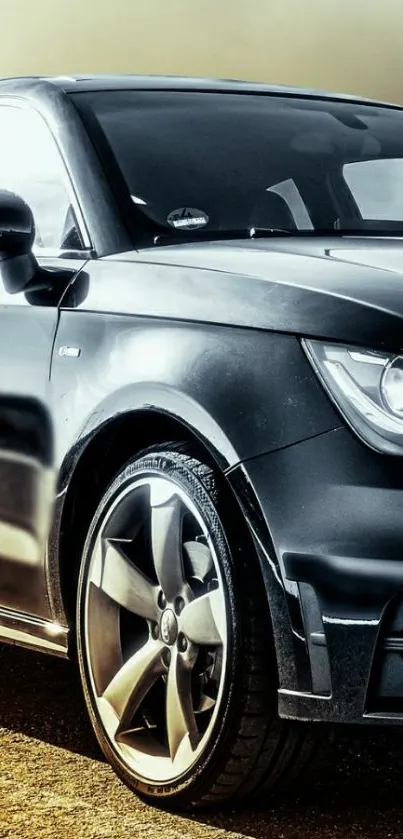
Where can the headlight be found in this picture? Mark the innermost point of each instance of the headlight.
(366, 387)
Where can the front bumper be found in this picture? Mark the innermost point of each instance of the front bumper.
(326, 516)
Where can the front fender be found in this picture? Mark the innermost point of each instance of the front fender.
(243, 391)
(158, 398)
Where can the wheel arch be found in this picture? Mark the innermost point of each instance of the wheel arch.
(122, 437)
(107, 450)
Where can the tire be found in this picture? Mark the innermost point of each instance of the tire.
(174, 640)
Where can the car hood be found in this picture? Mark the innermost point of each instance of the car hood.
(348, 289)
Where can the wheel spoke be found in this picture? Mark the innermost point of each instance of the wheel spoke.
(104, 639)
(181, 721)
(200, 559)
(166, 538)
(158, 701)
(124, 583)
(203, 620)
(132, 682)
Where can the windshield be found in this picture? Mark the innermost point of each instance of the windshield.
(211, 162)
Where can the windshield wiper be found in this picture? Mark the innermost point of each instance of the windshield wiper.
(217, 235)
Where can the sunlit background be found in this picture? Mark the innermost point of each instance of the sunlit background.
(349, 45)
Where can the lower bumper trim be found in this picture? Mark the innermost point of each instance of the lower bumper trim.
(33, 633)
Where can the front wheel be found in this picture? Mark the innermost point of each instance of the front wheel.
(174, 639)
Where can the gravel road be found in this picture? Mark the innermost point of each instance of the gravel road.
(55, 784)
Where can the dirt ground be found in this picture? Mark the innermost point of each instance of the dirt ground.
(55, 784)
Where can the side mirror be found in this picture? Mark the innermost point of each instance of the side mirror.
(18, 265)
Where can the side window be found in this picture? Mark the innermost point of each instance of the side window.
(32, 167)
(377, 186)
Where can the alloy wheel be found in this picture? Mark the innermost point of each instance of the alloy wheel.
(155, 621)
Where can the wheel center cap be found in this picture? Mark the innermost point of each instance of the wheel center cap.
(169, 627)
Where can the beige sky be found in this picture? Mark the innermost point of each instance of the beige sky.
(351, 45)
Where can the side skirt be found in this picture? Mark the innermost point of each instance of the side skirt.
(33, 633)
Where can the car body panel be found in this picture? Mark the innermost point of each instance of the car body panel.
(214, 381)
(208, 334)
(27, 485)
(300, 285)
(86, 82)
(28, 324)
(336, 528)
(142, 356)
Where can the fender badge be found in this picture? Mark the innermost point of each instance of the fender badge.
(70, 352)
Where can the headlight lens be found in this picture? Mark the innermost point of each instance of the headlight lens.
(392, 386)
(367, 388)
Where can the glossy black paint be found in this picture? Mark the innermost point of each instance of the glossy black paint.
(334, 512)
(28, 323)
(317, 288)
(222, 382)
(207, 336)
(27, 483)
(88, 82)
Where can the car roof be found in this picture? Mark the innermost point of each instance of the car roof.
(99, 82)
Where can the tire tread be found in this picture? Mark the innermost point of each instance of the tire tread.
(264, 751)
(282, 748)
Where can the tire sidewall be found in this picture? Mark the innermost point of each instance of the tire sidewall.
(212, 508)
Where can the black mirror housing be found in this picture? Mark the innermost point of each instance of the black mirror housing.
(18, 265)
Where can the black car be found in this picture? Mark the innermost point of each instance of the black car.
(202, 283)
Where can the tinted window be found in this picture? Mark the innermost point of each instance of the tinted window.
(233, 161)
(31, 166)
(377, 186)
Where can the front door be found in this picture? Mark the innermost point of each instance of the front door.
(32, 166)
